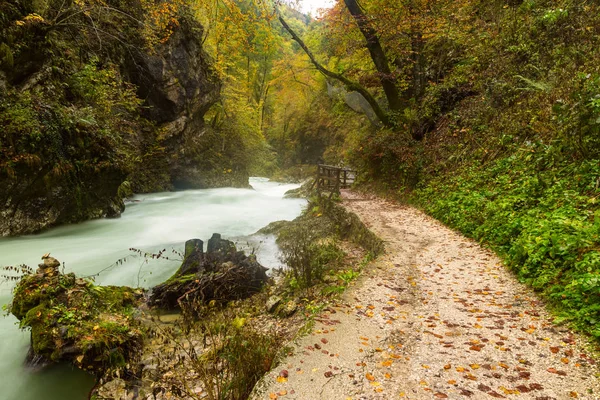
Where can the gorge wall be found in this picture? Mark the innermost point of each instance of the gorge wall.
(100, 100)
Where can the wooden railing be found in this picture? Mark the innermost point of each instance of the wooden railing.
(331, 179)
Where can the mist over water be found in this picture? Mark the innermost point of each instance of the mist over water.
(151, 223)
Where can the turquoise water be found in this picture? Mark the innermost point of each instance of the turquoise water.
(150, 223)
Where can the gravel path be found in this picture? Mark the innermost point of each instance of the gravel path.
(437, 317)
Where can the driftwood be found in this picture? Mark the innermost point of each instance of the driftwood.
(221, 274)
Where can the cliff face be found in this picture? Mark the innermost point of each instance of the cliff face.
(180, 86)
(85, 113)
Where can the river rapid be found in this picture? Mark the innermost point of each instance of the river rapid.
(151, 223)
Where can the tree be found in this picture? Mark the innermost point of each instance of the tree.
(351, 85)
(388, 82)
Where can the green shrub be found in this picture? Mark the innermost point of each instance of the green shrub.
(541, 215)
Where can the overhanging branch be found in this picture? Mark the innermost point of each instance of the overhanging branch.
(350, 85)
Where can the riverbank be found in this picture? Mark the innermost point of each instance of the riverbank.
(219, 349)
(152, 223)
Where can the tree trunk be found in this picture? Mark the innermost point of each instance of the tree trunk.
(377, 55)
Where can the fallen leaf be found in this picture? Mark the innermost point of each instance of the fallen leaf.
(370, 377)
(440, 395)
(447, 366)
(272, 396)
(281, 379)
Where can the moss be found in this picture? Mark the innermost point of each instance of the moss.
(71, 319)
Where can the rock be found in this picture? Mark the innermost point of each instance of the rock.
(287, 309)
(49, 267)
(272, 303)
(274, 227)
(91, 327)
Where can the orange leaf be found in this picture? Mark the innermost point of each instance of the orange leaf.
(370, 377)
(272, 396)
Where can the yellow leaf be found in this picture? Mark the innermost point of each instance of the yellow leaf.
(281, 379)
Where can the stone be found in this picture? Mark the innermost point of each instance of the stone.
(272, 303)
(287, 309)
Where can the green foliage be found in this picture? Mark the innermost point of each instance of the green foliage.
(308, 249)
(309, 243)
(238, 355)
(540, 214)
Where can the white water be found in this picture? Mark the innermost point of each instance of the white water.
(151, 223)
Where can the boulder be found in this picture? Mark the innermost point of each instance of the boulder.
(73, 320)
(272, 303)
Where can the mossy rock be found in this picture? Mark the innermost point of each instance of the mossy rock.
(72, 319)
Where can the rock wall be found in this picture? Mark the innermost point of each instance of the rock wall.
(63, 158)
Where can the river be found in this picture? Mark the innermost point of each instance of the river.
(150, 223)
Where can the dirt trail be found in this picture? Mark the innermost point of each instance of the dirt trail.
(437, 317)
